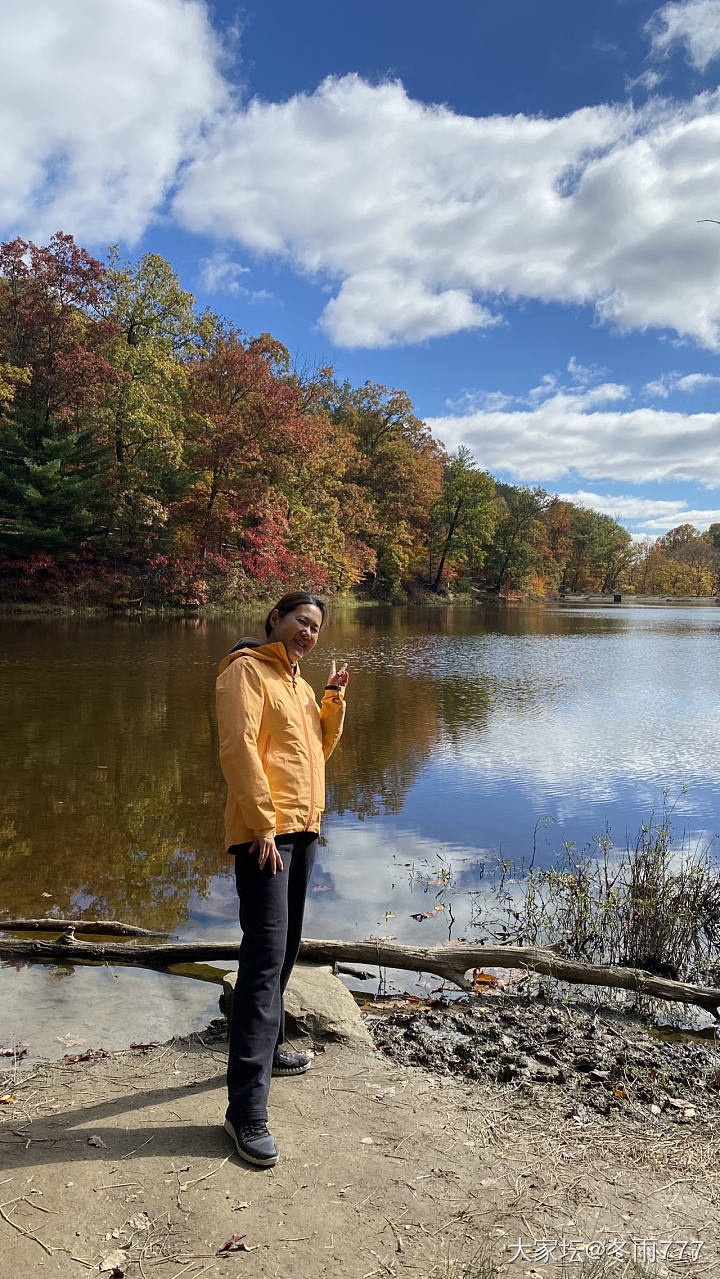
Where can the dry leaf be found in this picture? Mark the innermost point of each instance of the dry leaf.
(620, 1092)
(236, 1243)
(6, 1099)
(93, 1054)
(483, 979)
(96, 1141)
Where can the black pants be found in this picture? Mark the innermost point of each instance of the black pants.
(271, 916)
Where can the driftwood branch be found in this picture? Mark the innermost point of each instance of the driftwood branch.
(452, 963)
(99, 927)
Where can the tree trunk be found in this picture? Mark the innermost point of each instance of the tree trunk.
(99, 927)
(446, 548)
(449, 962)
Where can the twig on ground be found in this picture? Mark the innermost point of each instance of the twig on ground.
(21, 1229)
(185, 1184)
(141, 1147)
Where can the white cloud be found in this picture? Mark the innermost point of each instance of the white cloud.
(652, 516)
(427, 221)
(99, 104)
(572, 430)
(583, 374)
(667, 383)
(421, 222)
(694, 23)
(647, 81)
(219, 274)
(380, 307)
(468, 401)
(625, 508)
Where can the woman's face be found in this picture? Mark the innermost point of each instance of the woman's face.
(298, 630)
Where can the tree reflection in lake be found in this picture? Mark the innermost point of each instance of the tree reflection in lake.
(110, 793)
(465, 726)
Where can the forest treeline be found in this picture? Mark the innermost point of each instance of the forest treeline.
(151, 454)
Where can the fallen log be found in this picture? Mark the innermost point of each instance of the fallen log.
(452, 963)
(100, 927)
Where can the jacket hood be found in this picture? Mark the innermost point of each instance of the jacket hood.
(275, 654)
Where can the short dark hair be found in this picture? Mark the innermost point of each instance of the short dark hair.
(290, 602)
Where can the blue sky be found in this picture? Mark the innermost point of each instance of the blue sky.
(493, 206)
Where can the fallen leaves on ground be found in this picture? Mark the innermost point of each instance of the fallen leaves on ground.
(6, 1099)
(93, 1054)
(481, 979)
(96, 1141)
(18, 1051)
(236, 1243)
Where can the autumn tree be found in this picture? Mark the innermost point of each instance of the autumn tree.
(602, 552)
(57, 379)
(685, 562)
(463, 517)
(516, 544)
(397, 465)
(156, 333)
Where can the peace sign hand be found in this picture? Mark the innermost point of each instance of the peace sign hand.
(338, 679)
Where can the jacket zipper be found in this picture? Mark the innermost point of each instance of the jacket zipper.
(312, 774)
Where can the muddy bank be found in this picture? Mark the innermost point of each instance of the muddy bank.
(596, 1060)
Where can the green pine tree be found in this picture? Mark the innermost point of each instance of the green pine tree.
(50, 488)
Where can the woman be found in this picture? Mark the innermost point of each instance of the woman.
(274, 740)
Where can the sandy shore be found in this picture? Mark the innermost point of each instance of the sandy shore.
(385, 1170)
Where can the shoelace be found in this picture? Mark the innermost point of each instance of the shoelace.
(254, 1130)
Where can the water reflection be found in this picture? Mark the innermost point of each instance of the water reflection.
(110, 795)
(466, 726)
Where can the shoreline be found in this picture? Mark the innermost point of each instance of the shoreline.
(206, 612)
(386, 1168)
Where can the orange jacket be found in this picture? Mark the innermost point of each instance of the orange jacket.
(274, 740)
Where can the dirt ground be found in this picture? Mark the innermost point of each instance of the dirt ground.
(120, 1165)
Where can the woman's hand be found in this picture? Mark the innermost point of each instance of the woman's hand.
(338, 679)
(264, 846)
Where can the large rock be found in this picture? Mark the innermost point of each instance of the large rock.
(316, 1004)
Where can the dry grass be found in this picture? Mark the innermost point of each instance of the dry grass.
(654, 905)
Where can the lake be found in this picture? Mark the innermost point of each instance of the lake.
(471, 733)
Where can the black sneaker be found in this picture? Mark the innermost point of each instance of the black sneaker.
(253, 1142)
(287, 1063)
